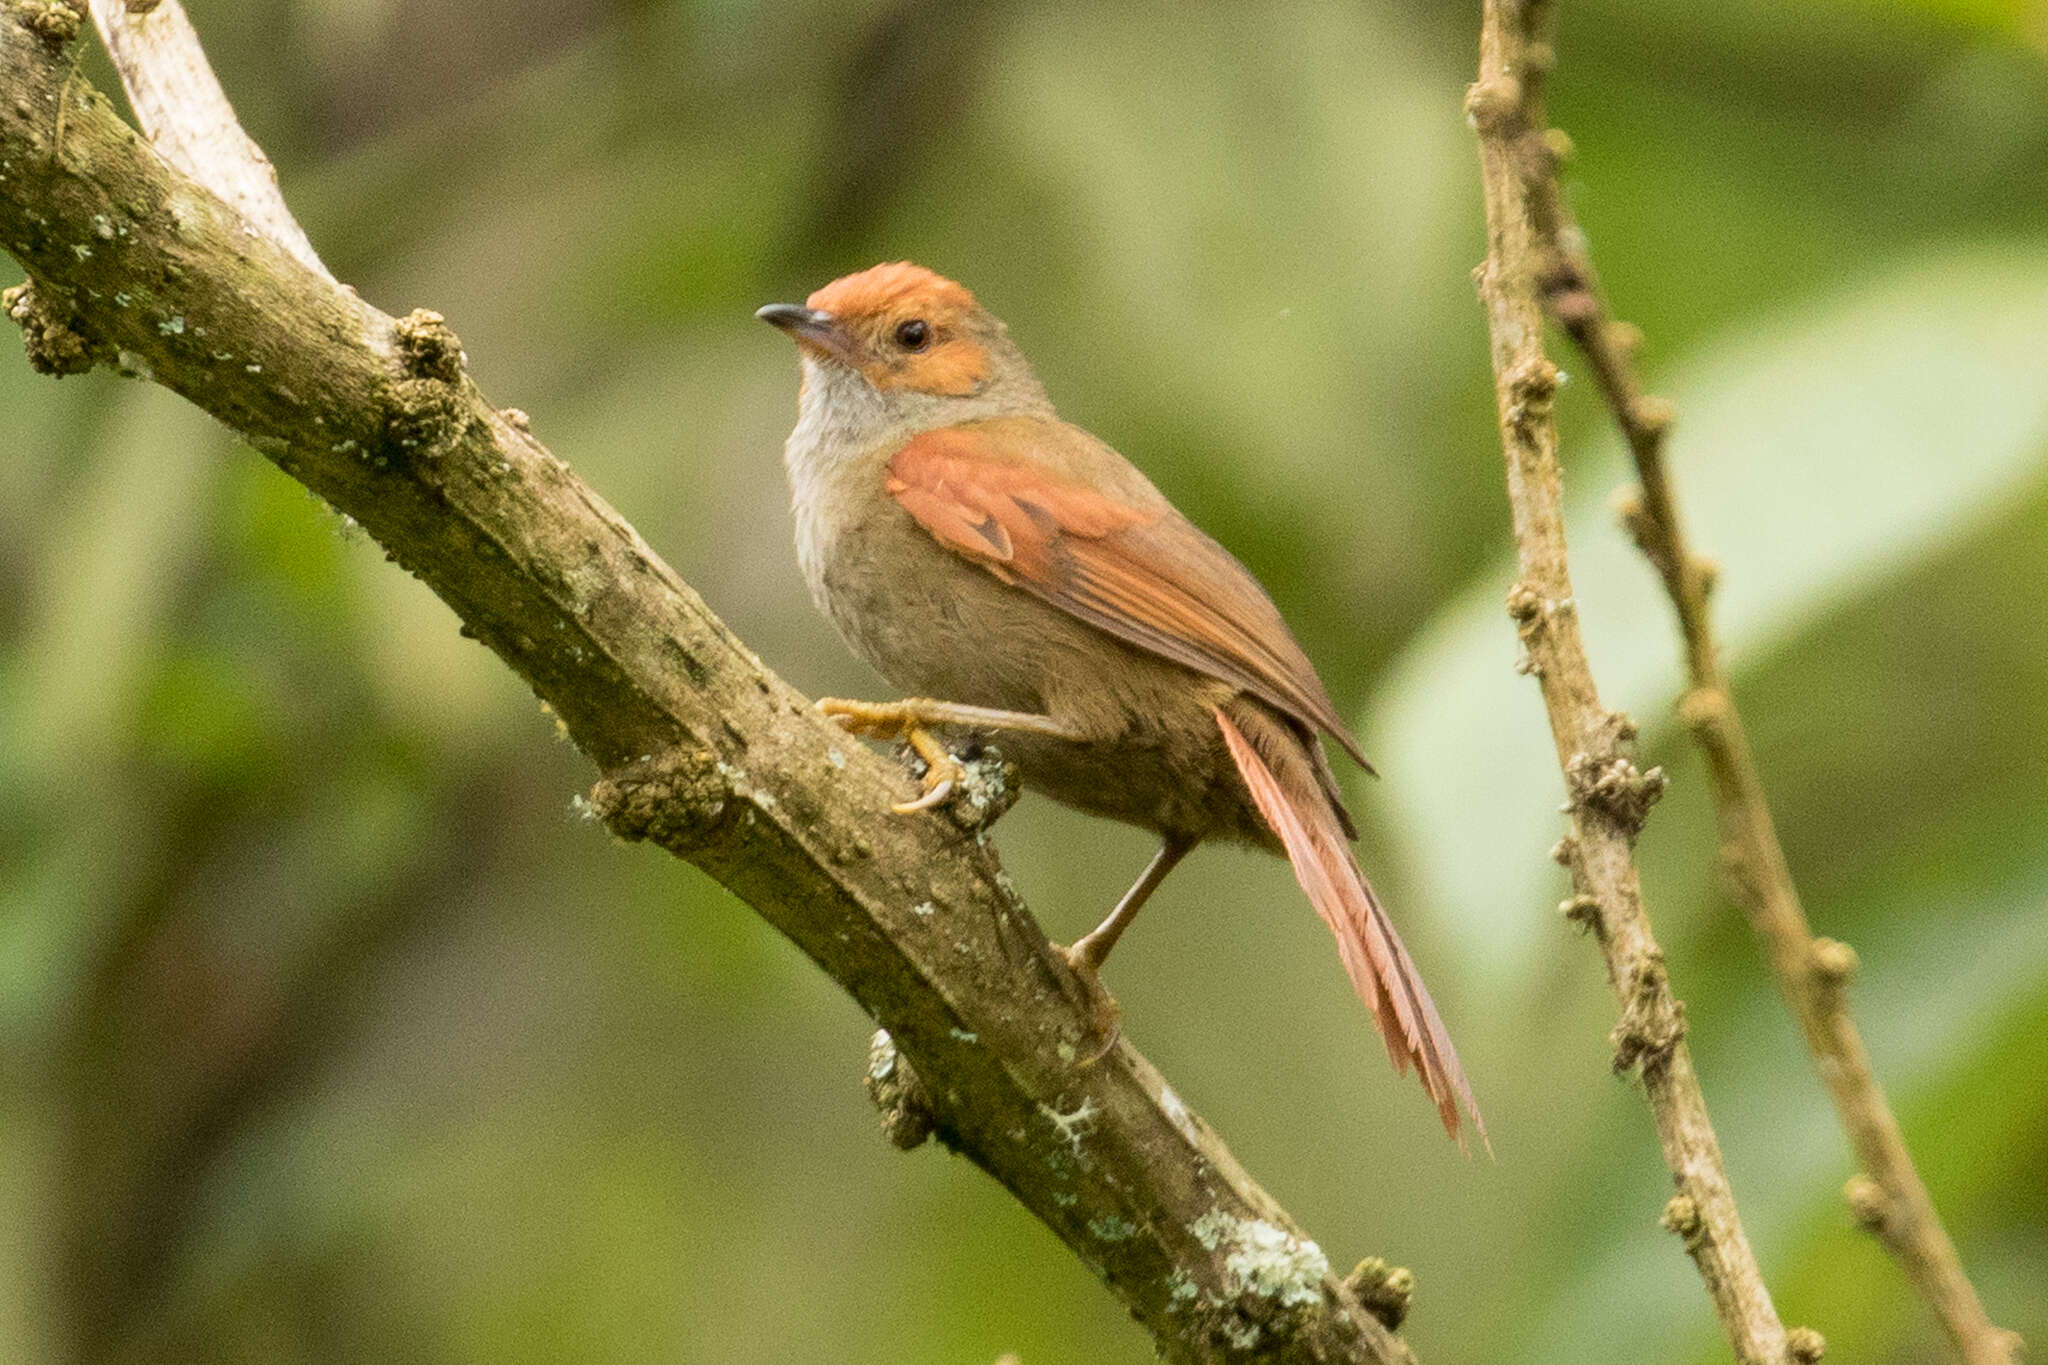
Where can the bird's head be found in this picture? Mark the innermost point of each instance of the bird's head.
(910, 340)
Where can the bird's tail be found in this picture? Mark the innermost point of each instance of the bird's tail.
(1281, 775)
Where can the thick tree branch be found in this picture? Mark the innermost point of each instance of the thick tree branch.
(702, 749)
(1609, 796)
(1812, 974)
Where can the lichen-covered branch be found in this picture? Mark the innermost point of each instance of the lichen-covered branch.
(1812, 974)
(1609, 797)
(701, 749)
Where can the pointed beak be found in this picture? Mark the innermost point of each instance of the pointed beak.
(811, 326)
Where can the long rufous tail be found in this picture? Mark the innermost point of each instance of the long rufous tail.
(1281, 776)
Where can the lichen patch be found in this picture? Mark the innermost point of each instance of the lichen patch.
(1264, 1260)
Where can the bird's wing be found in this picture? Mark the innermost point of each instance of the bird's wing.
(1008, 495)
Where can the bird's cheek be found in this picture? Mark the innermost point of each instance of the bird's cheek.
(951, 371)
(885, 376)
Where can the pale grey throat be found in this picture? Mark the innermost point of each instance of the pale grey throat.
(841, 414)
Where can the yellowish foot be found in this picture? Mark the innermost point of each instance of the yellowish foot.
(943, 773)
(905, 720)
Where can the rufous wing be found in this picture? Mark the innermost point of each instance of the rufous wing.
(1010, 494)
(1043, 506)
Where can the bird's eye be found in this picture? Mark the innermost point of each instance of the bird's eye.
(914, 335)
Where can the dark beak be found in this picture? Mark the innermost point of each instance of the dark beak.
(811, 325)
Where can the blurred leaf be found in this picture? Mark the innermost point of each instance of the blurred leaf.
(1813, 459)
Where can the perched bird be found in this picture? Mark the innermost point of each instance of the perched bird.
(1021, 580)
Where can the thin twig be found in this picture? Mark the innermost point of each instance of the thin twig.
(1812, 974)
(1609, 796)
(702, 750)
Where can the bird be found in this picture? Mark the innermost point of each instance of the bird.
(1022, 582)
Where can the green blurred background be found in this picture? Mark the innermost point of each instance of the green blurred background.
(329, 1033)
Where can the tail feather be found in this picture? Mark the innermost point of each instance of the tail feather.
(1380, 969)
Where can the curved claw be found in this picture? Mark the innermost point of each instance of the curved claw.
(930, 799)
(905, 720)
(1116, 1034)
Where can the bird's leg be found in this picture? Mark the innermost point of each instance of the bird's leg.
(1091, 950)
(913, 719)
(888, 719)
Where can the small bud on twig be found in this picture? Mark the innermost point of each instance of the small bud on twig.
(1833, 962)
(1868, 1203)
(1653, 416)
(1806, 1345)
(1489, 104)
(1681, 1217)
(1583, 911)
(1384, 1290)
